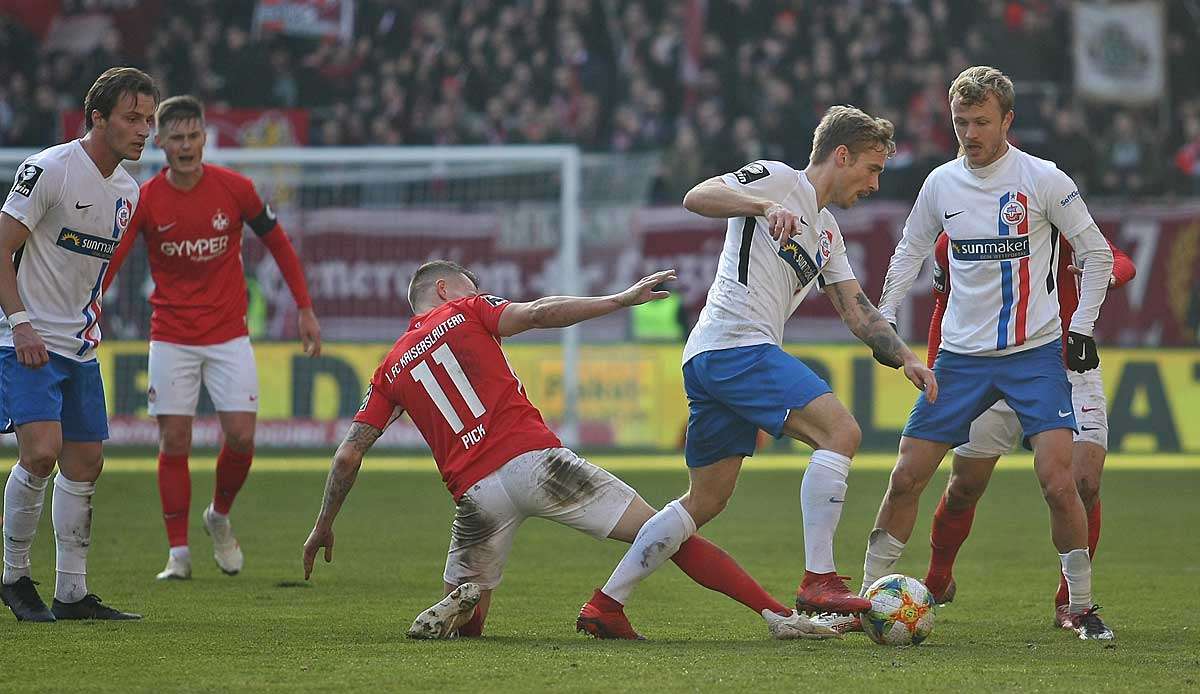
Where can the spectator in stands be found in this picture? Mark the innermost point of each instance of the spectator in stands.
(1127, 158)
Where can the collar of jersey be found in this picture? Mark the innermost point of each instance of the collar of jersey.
(987, 171)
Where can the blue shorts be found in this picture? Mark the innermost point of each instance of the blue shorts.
(64, 390)
(1033, 383)
(732, 393)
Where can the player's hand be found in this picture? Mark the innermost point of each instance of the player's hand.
(321, 536)
(310, 332)
(28, 345)
(922, 377)
(782, 223)
(646, 289)
(1081, 353)
(1078, 271)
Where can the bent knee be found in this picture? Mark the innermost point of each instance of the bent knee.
(844, 437)
(240, 441)
(906, 481)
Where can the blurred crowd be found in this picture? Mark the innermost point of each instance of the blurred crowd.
(709, 84)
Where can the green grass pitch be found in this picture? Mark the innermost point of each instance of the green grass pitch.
(268, 630)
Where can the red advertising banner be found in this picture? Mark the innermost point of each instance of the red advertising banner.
(315, 18)
(234, 127)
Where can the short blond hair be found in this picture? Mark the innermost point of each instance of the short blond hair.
(973, 85)
(847, 125)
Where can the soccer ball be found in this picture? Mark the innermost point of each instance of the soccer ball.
(901, 611)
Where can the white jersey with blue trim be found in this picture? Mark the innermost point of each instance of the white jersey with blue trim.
(75, 217)
(760, 283)
(1004, 221)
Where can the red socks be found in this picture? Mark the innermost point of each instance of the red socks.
(950, 530)
(1093, 521)
(472, 628)
(232, 468)
(711, 567)
(175, 491)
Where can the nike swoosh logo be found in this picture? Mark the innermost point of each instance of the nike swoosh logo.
(1090, 428)
(836, 501)
(1090, 409)
(165, 227)
(803, 220)
(948, 215)
(82, 207)
(1064, 414)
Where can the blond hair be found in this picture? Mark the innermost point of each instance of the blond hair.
(973, 85)
(847, 125)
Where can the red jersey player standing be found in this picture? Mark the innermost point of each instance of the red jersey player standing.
(500, 461)
(191, 216)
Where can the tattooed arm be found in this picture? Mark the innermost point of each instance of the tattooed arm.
(342, 474)
(868, 325)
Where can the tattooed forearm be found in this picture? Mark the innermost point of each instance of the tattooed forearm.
(361, 437)
(878, 334)
(344, 470)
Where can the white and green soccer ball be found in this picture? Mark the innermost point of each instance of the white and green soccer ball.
(901, 611)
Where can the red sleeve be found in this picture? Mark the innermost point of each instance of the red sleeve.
(125, 245)
(376, 409)
(941, 295)
(285, 257)
(488, 308)
(1123, 269)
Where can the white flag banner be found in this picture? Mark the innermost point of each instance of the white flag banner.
(1120, 52)
(316, 18)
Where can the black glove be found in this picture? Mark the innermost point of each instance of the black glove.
(1081, 353)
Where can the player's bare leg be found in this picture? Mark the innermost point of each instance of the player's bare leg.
(834, 435)
(175, 492)
(1052, 460)
(79, 466)
(38, 446)
(952, 520)
(1087, 465)
(918, 460)
(233, 465)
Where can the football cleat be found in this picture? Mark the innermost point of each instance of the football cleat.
(90, 607)
(1089, 626)
(942, 592)
(178, 569)
(828, 593)
(1062, 618)
(226, 550)
(605, 624)
(443, 619)
(796, 626)
(840, 623)
(23, 599)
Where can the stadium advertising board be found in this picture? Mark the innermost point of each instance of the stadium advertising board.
(235, 127)
(632, 395)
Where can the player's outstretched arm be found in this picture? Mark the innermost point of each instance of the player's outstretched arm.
(562, 311)
(714, 198)
(868, 325)
(30, 349)
(342, 474)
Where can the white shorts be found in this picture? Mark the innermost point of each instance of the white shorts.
(227, 370)
(998, 431)
(552, 483)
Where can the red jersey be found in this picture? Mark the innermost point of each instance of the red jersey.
(1068, 288)
(449, 373)
(194, 245)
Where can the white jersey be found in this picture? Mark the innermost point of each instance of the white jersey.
(75, 217)
(1003, 222)
(759, 283)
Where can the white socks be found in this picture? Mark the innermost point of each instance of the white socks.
(23, 498)
(1077, 567)
(182, 553)
(822, 496)
(883, 551)
(72, 513)
(656, 542)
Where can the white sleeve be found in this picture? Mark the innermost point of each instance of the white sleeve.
(1093, 255)
(837, 268)
(1064, 206)
(37, 188)
(921, 230)
(772, 180)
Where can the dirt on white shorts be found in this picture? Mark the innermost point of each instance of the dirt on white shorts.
(553, 483)
(998, 431)
(226, 369)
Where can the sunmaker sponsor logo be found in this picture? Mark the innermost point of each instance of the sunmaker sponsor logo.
(990, 249)
(79, 242)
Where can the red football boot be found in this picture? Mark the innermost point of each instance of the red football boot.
(604, 618)
(828, 593)
(942, 590)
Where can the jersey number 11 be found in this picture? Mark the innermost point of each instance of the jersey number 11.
(422, 374)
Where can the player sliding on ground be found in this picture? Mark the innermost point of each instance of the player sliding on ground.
(781, 241)
(65, 214)
(1004, 212)
(496, 455)
(191, 216)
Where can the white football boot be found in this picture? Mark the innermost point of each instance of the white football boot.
(178, 569)
(796, 626)
(841, 623)
(443, 619)
(226, 550)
